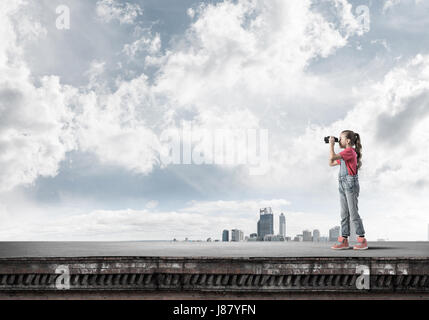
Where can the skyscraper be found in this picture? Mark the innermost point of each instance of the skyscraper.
(306, 235)
(225, 235)
(282, 225)
(316, 235)
(265, 223)
(237, 235)
(334, 233)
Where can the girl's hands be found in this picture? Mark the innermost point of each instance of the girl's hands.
(332, 140)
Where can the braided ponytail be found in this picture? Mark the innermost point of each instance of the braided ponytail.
(358, 148)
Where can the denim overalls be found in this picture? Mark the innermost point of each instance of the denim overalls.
(349, 192)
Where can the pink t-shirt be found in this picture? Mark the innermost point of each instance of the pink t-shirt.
(350, 157)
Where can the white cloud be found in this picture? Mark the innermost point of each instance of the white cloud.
(250, 58)
(191, 12)
(383, 42)
(125, 13)
(35, 123)
(235, 207)
(248, 46)
(117, 127)
(233, 57)
(147, 43)
(94, 73)
(152, 204)
(389, 4)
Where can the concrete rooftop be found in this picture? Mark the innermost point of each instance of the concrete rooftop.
(207, 249)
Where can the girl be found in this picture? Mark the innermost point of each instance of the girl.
(348, 184)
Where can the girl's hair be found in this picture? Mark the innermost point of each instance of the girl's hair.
(355, 141)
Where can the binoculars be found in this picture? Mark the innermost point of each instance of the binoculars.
(327, 139)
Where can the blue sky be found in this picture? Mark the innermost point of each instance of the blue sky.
(82, 111)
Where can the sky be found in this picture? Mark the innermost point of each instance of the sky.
(93, 92)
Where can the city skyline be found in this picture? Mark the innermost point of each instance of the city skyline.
(265, 228)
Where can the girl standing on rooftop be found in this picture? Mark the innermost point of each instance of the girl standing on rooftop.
(350, 161)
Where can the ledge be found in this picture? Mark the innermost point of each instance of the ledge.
(203, 276)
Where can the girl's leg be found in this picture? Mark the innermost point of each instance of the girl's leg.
(345, 215)
(352, 200)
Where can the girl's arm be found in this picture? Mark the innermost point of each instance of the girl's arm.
(333, 155)
(333, 163)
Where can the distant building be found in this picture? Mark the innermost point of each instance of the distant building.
(298, 238)
(323, 239)
(268, 237)
(288, 238)
(279, 237)
(274, 237)
(252, 237)
(306, 234)
(316, 235)
(334, 233)
(282, 225)
(237, 235)
(265, 223)
(225, 235)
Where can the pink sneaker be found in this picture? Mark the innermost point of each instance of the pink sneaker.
(362, 244)
(342, 243)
